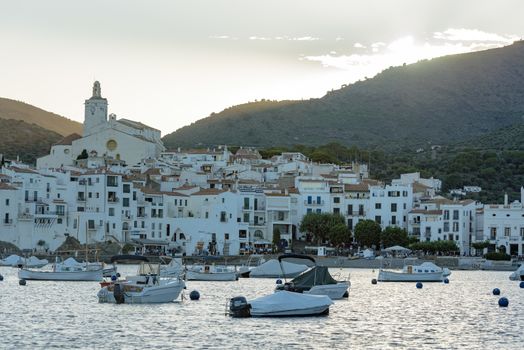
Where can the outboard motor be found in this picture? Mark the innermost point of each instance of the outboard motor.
(239, 307)
(118, 294)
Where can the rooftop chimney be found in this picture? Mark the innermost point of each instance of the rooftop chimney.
(505, 199)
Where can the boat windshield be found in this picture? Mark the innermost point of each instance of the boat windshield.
(149, 269)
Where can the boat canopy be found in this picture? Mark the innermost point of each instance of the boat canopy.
(318, 275)
(295, 256)
(288, 302)
(128, 257)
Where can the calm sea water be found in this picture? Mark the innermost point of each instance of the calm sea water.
(460, 315)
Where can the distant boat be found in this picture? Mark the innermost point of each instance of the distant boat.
(211, 273)
(147, 286)
(82, 275)
(280, 305)
(426, 272)
(70, 264)
(16, 261)
(518, 275)
(273, 269)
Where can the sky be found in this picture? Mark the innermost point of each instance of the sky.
(168, 63)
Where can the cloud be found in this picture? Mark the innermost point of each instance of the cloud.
(400, 51)
(305, 38)
(220, 37)
(259, 38)
(359, 46)
(339, 38)
(463, 34)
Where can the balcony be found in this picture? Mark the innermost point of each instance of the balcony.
(112, 200)
(356, 213)
(314, 202)
(142, 215)
(81, 199)
(7, 221)
(247, 208)
(25, 217)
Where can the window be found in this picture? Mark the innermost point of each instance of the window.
(446, 214)
(153, 226)
(350, 223)
(361, 209)
(336, 210)
(446, 227)
(111, 211)
(246, 203)
(59, 221)
(493, 233)
(455, 214)
(378, 205)
(336, 200)
(207, 215)
(91, 224)
(455, 226)
(7, 202)
(393, 220)
(185, 203)
(309, 210)
(80, 209)
(127, 188)
(507, 231)
(242, 234)
(378, 219)
(223, 216)
(522, 232)
(319, 211)
(125, 202)
(246, 217)
(319, 201)
(226, 236)
(350, 209)
(309, 199)
(393, 207)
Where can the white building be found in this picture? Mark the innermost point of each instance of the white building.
(121, 139)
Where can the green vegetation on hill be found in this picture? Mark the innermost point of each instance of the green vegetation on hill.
(496, 170)
(29, 141)
(11, 109)
(439, 101)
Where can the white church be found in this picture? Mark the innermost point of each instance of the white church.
(107, 138)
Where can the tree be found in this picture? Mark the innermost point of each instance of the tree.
(392, 236)
(367, 233)
(480, 245)
(320, 225)
(339, 235)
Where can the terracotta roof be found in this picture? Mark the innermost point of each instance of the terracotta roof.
(209, 192)
(4, 186)
(185, 187)
(23, 170)
(68, 140)
(356, 187)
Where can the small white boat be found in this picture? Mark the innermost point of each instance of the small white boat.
(82, 275)
(273, 269)
(280, 305)
(517, 275)
(70, 264)
(146, 287)
(211, 273)
(316, 281)
(426, 272)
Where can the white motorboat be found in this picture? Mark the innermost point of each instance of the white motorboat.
(316, 281)
(518, 275)
(146, 287)
(211, 273)
(81, 275)
(280, 305)
(274, 269)
(426, 272)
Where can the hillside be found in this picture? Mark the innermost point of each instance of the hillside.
(11, 109)
(29, 141)
(439, 101)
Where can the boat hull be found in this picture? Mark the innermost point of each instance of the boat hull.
(95, 275)
(210, 276)
(392, 276)
(286, 304)
(333, 291)
(147, 295)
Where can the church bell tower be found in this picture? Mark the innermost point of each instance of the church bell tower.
(95, 113)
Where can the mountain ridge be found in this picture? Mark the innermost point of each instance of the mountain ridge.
(442, 100)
